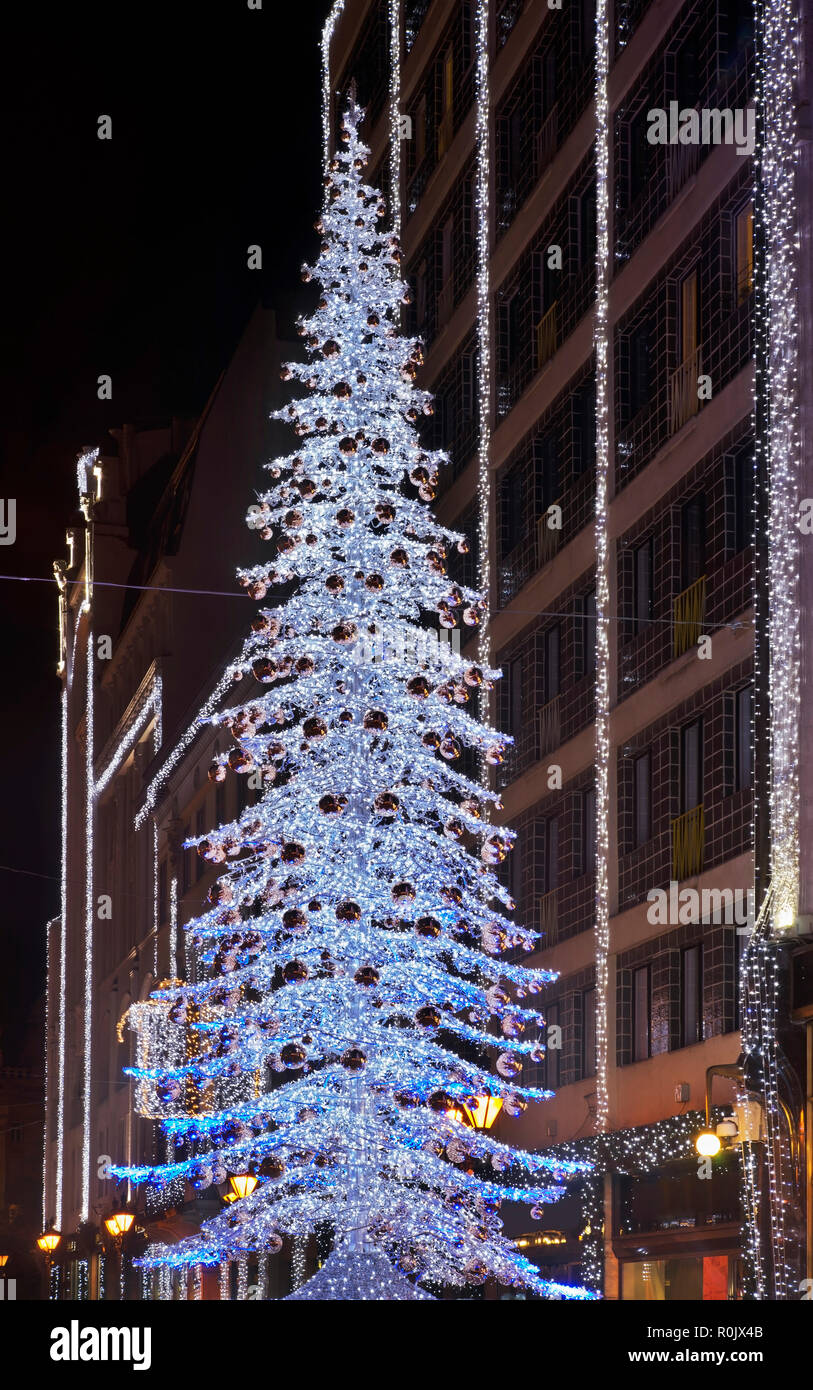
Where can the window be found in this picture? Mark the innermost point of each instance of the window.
(693, 541)
(587, 227)
(744, 252)
(688, 316)
(639, 156)
(588, 633)
(640, 1014)
(200, 826)
(691, 765)
(547, 471)
(550, 881)
(420, 294)
(743, 500)
(643, 567)
(584, 428)
(737, 30)
(588, 839)
(743, 720)
(589, 1033)
(420, 132)
(513, 509)
(642, 800)
(691, 1016)
(515, 697)
(448, 82)
(446, 244)
(639, 381)
(552, 1054)
(512, 328)
(163, 900)
(220, 803)
(687, 72)
(551, 646)
(186, 862)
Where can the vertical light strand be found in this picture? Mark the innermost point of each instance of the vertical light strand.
(327, 102)
(155, 909)
(88, 983)
(776, 78)
(601, 348)
(46, 1069)
(173, 928)
(63, 956)
(395, 115)
(482, 202)
(224, 1281)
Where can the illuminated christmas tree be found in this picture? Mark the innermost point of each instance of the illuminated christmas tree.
(355, 982)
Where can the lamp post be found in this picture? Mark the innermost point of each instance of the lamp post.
(481, 1111)
(48, 1242)
(118, 1223)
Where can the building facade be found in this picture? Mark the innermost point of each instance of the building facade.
(587, 200)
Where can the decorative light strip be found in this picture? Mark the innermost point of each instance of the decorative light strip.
(200, 721)
(63, 953)
(601, 340)
(155, 913)
(152, 706)
(327, 104)
(224, 1281)
(395, 115)
(46, 1070)
(88, 992)
(776, 95)
(482, 203)
(173, 928)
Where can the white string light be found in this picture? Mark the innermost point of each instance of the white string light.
(601, 339)
(327, 102)
(63, 952)
(150, 708)
(88, 983)
(200, 721)
(482, 203)
(173, 927)
(395, 115)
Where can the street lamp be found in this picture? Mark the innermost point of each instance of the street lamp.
(3, 1261)
(707, 1143)
(242, 1185)
(48, 1242)
(482, 1111)
(119, 1223)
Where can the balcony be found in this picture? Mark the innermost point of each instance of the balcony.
(683, 161)
(683, 400)
(689, 615)
(445, 133)
(549, 727)
(547, 916)
(546, 138)
(548, 539)
(445, 303)
(688, 841)
(547, 338)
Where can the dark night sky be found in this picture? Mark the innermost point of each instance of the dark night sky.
(127, 257)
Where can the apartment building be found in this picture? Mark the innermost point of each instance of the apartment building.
(149, 615)
(486, 133)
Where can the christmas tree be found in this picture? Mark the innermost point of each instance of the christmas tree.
(354, 984)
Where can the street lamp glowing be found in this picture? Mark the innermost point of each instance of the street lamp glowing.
(3, 1261)
(242, 1184)
(119, 1223)
(707, 1143)
(483, 1112)
(48, 1242)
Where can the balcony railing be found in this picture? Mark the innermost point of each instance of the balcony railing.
(547, 917)
(549, 727)
(445, 302)
(689, 616)
(546, 337)
(546, 138)
(547, 539)
(445, 133)
(683, 399)
(688, 842)
(683, 161)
